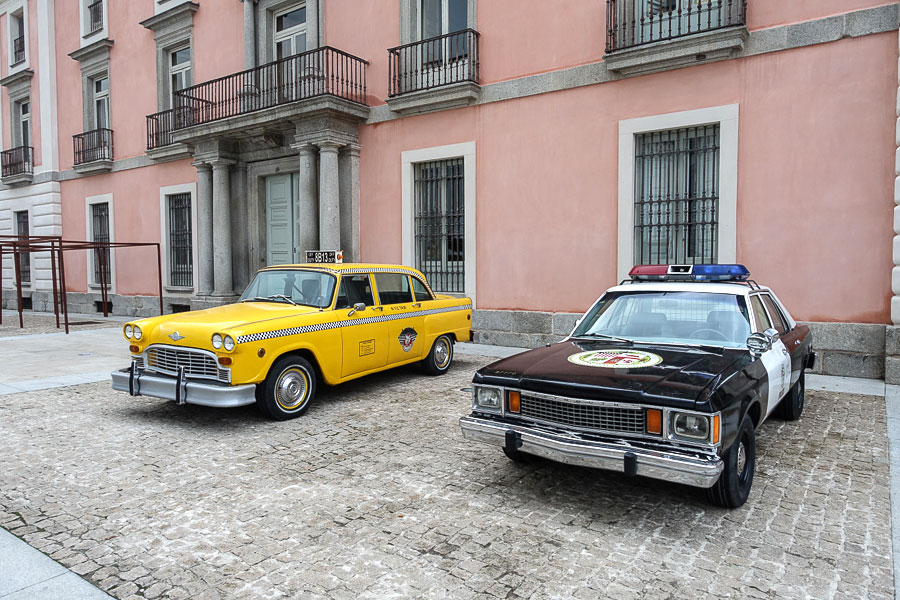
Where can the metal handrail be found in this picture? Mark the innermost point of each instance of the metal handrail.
(93, 145)
(17, 161)
(434, 62)
(159, 129)
(19, 49)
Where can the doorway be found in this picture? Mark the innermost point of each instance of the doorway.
(282, 224)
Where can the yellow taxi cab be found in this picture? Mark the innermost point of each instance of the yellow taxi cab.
(294, 327)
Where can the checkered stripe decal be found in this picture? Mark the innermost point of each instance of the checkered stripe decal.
(267, 335)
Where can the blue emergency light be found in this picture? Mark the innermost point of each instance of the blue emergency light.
(689, 273)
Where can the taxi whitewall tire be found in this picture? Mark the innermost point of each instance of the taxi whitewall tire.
(733, 486)
(791, 406)
(439, 358)
(288, 389)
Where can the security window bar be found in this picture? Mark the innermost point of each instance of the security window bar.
(181, 265)
(676, 196)
(25, 257)
(440, 223)
(633, 23)
(100, 233)
(95, 16)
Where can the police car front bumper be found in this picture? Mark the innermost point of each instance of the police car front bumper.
(689, 469)
(138, 382)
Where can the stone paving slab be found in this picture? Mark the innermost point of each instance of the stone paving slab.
(374, 494)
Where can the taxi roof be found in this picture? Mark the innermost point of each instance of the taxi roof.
(340, 267)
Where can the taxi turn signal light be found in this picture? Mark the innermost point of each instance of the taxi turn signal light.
(224, 360)
(513, 401)
(654, 421)
(134, 348)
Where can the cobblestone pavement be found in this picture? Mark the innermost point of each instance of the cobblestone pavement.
(43, 323)
(375, 494)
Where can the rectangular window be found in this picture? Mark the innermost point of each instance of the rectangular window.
(393, 288)
(290, 32)
(100, 233)
(676, 196)
(94, 16)
(23, 121)
(179, 71)
(181, 264)
(101, 102)
(17, 32)
(440, 223)
(23, 231)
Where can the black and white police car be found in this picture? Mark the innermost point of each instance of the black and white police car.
(667, 376)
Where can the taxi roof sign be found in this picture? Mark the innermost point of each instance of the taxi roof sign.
(325, 256)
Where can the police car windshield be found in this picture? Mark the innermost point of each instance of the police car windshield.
(669, 317)
(291, 286)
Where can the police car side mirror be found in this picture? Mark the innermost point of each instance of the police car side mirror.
(358, 307)
(759, 343)
(772, 334)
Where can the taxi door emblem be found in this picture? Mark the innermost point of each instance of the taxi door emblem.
(406, 338)
(176, 336)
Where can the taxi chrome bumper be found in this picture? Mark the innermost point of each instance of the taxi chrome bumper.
(674, 466)
(138, 382)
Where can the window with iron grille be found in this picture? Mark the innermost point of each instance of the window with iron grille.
(100, 233)
(181, 263)
(440, 223)
(25, 258)
(676, 196)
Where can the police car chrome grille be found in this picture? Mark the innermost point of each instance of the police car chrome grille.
(196, 363)
(583, 416)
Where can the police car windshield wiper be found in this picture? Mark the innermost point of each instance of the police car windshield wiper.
(604, 336)
(275, 297)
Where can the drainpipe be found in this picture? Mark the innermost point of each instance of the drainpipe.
(321, 21)
(249, 33)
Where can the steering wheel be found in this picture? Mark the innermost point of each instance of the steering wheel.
(716, 333)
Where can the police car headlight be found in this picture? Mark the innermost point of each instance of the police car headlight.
(690, 426)
(216, 341)
(488, 398)
(127, 331)
(228, 343)
(136, 331)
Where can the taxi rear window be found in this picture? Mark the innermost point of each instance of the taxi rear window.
(393, 288)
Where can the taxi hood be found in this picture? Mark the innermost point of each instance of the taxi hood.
(201, 324)
(615, 371)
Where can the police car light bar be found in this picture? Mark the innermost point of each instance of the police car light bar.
(689, 273)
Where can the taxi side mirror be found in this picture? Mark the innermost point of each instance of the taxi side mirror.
(760, 342)
(358, 307)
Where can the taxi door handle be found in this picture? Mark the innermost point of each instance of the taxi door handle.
(417, 305)
(381, 308)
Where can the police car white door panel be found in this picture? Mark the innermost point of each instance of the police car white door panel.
(777, 362)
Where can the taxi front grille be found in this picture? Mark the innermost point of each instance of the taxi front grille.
(196, 364)
(583, 416)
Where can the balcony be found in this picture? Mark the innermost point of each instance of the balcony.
(18, 50)
(17, 165)
(93, 151)
(434, 74)
(95, 15)
(288, 87)
(644, 36)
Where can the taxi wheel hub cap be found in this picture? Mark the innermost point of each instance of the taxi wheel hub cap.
(442, 353)
(292, 389)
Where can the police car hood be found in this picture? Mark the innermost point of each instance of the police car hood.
(608, 370)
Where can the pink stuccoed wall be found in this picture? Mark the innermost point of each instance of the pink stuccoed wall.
(816, 143)
(33, 55)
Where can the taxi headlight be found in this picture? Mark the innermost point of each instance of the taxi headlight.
(488, 398)
(690, 426)
(137, 332)
(216, 341)
(228, 343)
(128, 331)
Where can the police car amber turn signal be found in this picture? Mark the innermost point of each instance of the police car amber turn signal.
(666, 376)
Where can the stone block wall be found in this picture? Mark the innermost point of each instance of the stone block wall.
(127, 306)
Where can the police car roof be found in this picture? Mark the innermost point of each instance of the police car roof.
(725, 287)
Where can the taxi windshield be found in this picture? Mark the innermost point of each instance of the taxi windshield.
(291, 286)
(676, 317)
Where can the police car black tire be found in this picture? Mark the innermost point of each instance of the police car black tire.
(287, 366)
(791, 406)
(733, 486)
(437, 363)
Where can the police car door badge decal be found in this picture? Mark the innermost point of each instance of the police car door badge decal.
(406, 338)
(616, 359)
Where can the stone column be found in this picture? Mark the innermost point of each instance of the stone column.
(329, 197)
(349, 184)
(240, 233)
(308, 202)
(223, 281)
(249, 34)
(204, 229)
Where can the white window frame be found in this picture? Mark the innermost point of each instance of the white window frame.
(178, 70)
(279, 36)
(164, 193)
(97, 98)
(89, 202)
(445, 18)
(86, 36)
(22, 123)
(408, 160)
(13, 12)
(727, 118)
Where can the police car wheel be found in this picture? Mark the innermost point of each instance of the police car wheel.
(288, 389)
(791, 406)
(438, 360)
(733, 486)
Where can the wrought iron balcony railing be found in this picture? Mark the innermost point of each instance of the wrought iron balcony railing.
(93, 145)
(17, 161)
(633, 23)
(319, 72)
(435, 62)
(159, 129)
(19, 49)
(95, 12)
